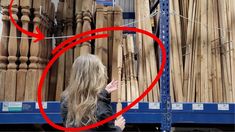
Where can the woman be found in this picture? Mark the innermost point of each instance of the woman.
(86, 100)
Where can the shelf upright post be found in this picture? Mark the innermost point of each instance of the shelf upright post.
(165, 79)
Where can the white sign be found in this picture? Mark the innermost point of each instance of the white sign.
(223, 106)
(154, 106)
(177, 106)
(134, 107)
(12, 106)
(44, 105)
(198, 107)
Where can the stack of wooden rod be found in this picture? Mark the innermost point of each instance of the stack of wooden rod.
(21, 59)
(147, 60)
(202, 50)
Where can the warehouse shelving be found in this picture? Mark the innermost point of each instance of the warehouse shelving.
(164, 113)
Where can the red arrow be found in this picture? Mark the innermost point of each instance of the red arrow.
(39, 35)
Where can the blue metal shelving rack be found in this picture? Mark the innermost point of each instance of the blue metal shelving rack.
(164, 113)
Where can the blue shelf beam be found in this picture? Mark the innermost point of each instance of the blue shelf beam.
(165, 79)
(150, 113)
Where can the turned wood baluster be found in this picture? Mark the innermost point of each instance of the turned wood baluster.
(87, 18)
(10, 85)
(4, 47)
(33, 72)
(79, 25)
(24, 50)
(60, 73)
(99, 24)
(51, 88)
(69, 54)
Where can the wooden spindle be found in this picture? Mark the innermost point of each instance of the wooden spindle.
(119, 67)
(79, 25)
(33, 72)
(60, 73)
(24, 51)
(11, 74)
(69, 53)
(4, 47)
(99, 24)
(87, 18)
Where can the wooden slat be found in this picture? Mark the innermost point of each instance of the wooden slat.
(117, 40)
(232, 2)
(176, 66)
(139, 45)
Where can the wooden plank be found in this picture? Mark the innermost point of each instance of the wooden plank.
(198, 56)
(225, 53)
(218, 54)
(230, 45)
(232, 3)
(139, 45)
(213, 50)
(117, 40)
(209, 50)
(187, 89)
(110, 40)
(176, 65)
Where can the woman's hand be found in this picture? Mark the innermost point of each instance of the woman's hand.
(111, 87)
(120, 122)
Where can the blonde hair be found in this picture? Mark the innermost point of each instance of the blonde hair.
(88, 78)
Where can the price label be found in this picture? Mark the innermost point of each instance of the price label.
(154, 106)
(134, 107)
(177, 106)
(44, 105)
(223, 106)
(198, 107)
(12, 106)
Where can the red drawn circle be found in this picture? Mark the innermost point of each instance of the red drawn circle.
(52, 61)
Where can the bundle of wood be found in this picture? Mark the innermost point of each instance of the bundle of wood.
(21, 59)
(147, 55)
(202, 50)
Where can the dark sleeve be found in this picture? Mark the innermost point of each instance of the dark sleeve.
(104, 111)
(64, 109)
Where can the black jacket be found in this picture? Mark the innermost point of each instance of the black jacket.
(104, 110)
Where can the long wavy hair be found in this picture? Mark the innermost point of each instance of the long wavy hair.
(88, 78)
